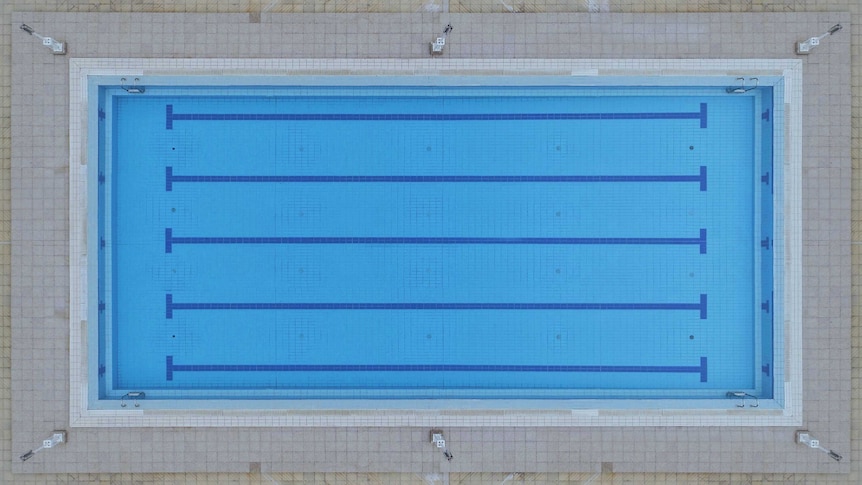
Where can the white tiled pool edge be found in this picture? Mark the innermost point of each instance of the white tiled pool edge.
(791, 70)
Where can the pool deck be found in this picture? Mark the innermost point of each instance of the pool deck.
(34, 151)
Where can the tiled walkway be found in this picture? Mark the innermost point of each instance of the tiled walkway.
(498, 49)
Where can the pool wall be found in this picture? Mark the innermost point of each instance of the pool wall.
(826, 393)
(756, 172)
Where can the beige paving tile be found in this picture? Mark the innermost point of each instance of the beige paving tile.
(455, 6)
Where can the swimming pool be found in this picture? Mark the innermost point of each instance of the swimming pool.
(347, 240)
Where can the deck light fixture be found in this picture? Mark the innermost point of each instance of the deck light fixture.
(440, 443)
(804, 47)
(803, 437)
(437, 45)
(57, 47)
(57, 437)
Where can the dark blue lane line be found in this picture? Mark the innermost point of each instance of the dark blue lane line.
(171, 179)
(171, 240)
(171, 116)
(172, 368)
(171, 306)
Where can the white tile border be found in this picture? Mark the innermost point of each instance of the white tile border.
(790, 69)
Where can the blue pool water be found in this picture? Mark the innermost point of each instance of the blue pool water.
(434, 242)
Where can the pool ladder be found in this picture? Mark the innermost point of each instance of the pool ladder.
(133, 396)
(743, 395)
(134, 88)
(742, 89)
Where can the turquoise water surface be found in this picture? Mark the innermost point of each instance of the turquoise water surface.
(433, 242)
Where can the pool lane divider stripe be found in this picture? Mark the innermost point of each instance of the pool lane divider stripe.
(171, 306)
(171, 179)
(700, 241)
(171, 116)
(172, 368)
